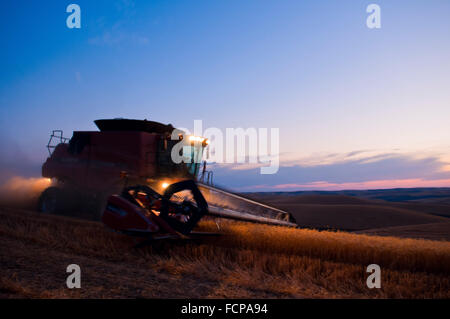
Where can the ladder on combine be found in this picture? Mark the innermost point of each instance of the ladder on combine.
(56, 138)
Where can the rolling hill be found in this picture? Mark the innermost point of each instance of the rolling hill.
(366, 210)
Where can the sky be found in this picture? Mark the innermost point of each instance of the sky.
(357, 108)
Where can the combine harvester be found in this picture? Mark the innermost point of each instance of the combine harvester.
(158, 198)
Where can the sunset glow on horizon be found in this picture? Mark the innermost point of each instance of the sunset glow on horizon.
(355, 107)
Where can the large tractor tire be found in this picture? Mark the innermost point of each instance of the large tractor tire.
(95, 206)
(52, 200)
(69, 202)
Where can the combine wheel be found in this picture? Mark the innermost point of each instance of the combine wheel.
(51, 200)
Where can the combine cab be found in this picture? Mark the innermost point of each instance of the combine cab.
(93, 165)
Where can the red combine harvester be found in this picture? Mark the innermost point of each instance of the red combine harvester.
(158, 198)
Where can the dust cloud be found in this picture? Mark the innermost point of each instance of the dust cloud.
(23, 192)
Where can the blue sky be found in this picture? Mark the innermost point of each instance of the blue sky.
(311, 68)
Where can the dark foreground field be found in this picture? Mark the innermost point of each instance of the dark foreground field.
(248, 261)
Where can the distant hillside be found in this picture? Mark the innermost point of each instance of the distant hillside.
(362, 210)
(355, 217)
(325, 199)
(429, 195)
(436, 231)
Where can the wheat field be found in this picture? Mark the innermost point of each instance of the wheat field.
(246, 261)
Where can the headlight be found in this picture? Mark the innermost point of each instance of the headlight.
(193, 138)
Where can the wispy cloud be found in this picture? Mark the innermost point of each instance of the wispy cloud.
(119, 33)
(125, 5)
(113, 37)
(351, 170)
(317, 159)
